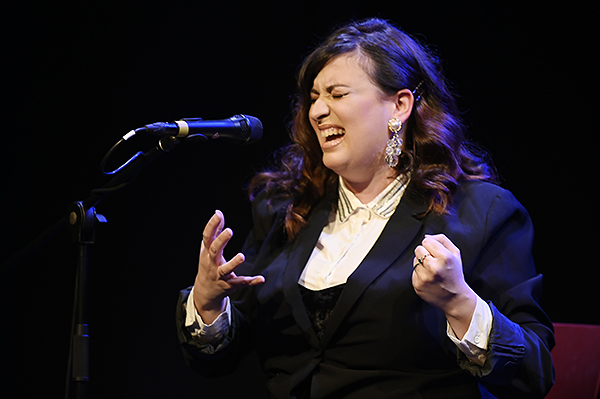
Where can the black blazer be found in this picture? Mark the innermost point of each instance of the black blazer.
(382, 340)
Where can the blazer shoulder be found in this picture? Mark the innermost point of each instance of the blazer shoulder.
(265, 206)
(481, 191)
(266, 212)
(483, 198)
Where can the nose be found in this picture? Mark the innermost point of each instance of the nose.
(318, 110)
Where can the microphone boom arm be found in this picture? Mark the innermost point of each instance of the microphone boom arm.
(81, 220)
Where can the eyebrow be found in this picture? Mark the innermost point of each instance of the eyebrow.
(329, 88)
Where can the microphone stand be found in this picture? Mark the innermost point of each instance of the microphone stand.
(81, 220)
(81, 224)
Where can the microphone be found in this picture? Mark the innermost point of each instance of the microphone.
(243, 129)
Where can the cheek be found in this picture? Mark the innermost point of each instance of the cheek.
(372, 145)
(372, 135)
(372, 119)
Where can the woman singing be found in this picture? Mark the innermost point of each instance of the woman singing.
(384, 261)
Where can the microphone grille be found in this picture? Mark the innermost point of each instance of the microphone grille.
(252, 124)
(243, 123)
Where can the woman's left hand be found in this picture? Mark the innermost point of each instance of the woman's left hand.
(439, 280)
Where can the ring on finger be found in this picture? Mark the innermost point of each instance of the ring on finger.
(421, 259)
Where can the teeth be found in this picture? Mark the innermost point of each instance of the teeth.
(332, 132)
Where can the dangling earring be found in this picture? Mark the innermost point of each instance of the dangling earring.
(393, 148)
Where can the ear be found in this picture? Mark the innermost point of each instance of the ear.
(403, 104)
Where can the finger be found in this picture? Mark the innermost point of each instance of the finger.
(421, 260)
(435, 247)
(420, 251)
(420, 254)
(245, 281)
(213, 228)
(444, 242)
(226, 273)
(218, 245)
(229, 267)
(256, 280)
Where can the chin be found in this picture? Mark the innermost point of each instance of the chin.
(333, 164)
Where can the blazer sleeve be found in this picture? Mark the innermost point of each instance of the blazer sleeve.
(237, 343)
(519, 363)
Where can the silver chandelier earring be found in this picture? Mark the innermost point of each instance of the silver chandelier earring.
(393, 149)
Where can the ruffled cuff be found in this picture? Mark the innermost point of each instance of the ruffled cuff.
(475, 341)
(210, 336)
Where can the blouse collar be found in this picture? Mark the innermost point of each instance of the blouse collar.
(383, 205)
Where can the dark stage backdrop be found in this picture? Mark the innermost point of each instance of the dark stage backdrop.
(76, 77)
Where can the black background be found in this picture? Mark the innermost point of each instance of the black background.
(77, 77)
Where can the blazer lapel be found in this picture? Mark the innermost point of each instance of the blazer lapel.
(393, 242)
(300, 252)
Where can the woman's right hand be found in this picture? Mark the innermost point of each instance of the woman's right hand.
(216, 278)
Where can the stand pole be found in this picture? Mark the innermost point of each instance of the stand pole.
(82, 224)
(81, 220)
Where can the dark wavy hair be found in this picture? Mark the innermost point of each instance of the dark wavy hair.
(435, 154)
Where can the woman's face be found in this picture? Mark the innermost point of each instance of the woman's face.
(350, 116)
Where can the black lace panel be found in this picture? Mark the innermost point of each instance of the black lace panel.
(320, 304)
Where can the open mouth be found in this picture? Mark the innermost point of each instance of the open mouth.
(332, 134)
